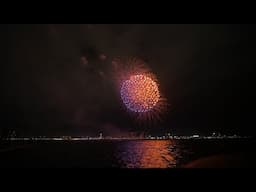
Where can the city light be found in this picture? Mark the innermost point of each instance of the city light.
(166, 136)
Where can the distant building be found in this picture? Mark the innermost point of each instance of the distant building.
(11, 134)
(67, 138)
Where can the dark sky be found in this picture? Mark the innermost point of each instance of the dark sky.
(57, 81)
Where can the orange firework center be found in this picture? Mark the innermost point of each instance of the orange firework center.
(140, 93)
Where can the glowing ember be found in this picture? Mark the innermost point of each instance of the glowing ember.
(140, 93)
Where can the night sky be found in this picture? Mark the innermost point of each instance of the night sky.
(58, 78)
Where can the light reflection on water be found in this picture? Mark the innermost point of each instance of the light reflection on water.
(128, 153)
(148, 154)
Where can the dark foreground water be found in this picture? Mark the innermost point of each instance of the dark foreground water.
(129, 154)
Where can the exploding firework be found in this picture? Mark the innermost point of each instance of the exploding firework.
(140, 93)
(139, 89)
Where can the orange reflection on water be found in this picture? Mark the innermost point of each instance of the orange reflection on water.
(148, 154)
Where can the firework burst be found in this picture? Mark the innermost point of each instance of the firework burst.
(139, 90)
(139, 93)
